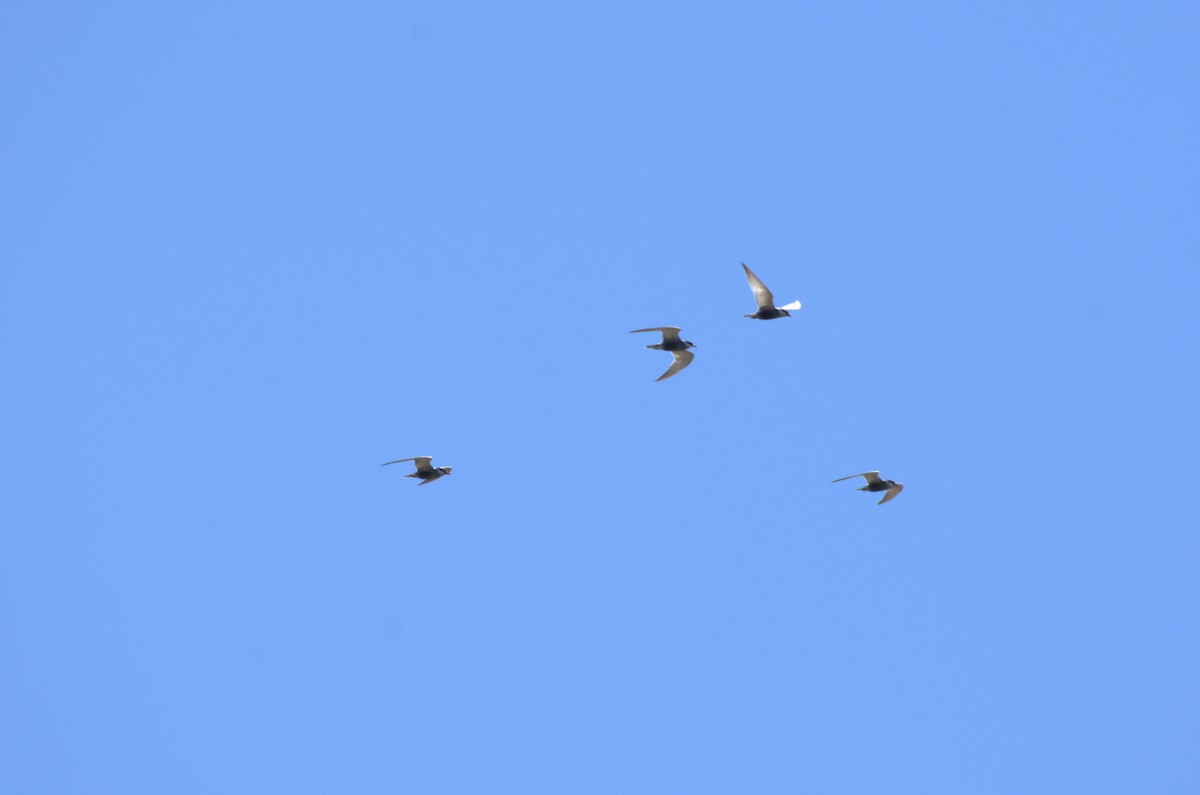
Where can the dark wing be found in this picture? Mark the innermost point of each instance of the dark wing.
(682, 360)
(872, 477)
(892, 491)
(762, 296)
(670, 333)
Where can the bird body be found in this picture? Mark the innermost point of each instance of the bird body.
(876, 483)
(424, 470)
(677, 347)
(766, 302)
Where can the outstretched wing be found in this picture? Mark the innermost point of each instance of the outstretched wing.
(670, 333)
(421, 461)
(892, 491)
(682, 360)
(872, 477)
(762, 296)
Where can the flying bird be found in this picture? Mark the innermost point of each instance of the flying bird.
(425, 472)
(672, 343)
(766, 302)
(876, 483)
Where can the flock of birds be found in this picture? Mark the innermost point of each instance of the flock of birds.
(681, 358)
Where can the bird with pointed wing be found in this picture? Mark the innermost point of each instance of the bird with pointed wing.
(766, 302)
(876, 483)
(671, 342)
(425, 471)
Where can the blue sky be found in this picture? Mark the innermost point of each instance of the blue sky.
(254, 251)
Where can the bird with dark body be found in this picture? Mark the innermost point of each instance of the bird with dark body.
(876, 483)
(766, 302)
(425, 471)
(671, 342)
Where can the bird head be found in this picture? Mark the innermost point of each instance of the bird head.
(445, 470)
(689, 343)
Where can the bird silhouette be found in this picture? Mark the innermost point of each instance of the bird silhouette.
(876, 483)
(671, 342)
(766, 302)
(425, 472)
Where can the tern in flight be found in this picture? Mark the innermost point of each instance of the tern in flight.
(672, 343)
(766, 302)
(876, 483)
(425, 471)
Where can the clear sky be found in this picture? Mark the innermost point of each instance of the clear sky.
(253, 250)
